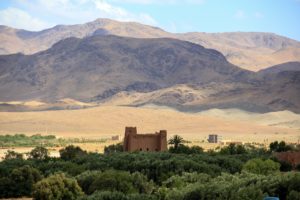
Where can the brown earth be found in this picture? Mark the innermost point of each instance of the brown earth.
(105, 121)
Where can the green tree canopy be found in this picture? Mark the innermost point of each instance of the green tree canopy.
(20, 181)
(176, 141)
(279, 147)
(233, 149)
(259, 166)
(113, 148)
(71, 152)
(39, 153)
(186, 149)
(113, 180)
(57, 187)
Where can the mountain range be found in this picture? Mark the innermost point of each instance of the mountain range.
(99, 65)
(145, 65)
(99, 68)
(249, 50)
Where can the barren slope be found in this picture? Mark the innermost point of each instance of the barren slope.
(250, 50)
(275, 92)
(98, 66)
(290, 66)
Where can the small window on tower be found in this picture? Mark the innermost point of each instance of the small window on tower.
(147, 149)
(141, 149)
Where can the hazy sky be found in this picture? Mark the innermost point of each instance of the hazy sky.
(278, 16)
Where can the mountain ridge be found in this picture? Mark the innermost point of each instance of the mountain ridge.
(94, 65)
(289, 66)
(98, 68)
(254, 51)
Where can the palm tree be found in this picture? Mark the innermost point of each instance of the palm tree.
(176, 140)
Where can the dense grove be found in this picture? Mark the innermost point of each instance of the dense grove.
(183, 173)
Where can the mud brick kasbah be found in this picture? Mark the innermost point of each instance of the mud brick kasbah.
(144, 142)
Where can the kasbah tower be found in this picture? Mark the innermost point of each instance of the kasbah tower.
(144, 142)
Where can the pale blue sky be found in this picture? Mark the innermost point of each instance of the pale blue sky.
(278, 16)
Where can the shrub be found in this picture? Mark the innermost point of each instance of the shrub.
(293, 195)
(113, 148)
(186, 149)
(298, 167)
(13, 155)
(106, 195)
(285, 166)
(109, 195)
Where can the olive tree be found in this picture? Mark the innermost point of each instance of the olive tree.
(56, 187)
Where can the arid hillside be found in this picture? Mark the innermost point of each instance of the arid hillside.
(98, 66)
(272, 93)
(249, 50)
(290, 66)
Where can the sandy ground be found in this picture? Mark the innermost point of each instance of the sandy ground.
(105, 121)
(54, 151)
